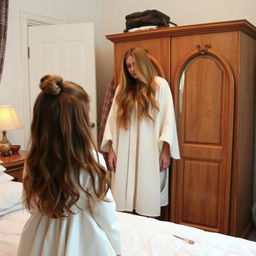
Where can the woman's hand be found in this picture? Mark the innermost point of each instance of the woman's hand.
(111, 158)
(165, 157)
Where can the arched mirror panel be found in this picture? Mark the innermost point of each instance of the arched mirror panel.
(201, 99)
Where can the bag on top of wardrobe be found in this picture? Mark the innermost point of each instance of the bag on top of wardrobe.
(147, 18)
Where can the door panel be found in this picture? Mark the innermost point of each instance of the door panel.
(66, 50)
(201, 177)
(203, 102)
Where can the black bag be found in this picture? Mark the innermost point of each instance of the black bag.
(147, 18)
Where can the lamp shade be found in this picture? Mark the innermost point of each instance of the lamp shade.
(9, 119)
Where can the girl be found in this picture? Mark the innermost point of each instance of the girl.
(66, 185)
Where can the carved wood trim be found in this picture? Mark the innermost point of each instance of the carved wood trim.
(203, 48)
(196, 53)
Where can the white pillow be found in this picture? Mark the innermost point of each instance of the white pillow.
(5, 178)
(2, 169)
(10, 194)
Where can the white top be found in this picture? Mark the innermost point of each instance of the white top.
(92, 231)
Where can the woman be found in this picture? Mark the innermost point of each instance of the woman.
(140, 137)
(66, 186)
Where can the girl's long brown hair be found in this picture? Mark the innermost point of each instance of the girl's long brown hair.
(61, 146)
(141, 91)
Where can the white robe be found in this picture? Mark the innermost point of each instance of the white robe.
(138, 183)
(92, 231)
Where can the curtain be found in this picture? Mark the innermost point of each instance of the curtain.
(3, 31)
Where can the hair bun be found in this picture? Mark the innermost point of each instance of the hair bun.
(44, 78)
(51, 84)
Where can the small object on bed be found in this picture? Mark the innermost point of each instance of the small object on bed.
(189, 241)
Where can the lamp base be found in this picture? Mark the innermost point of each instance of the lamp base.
(5, 146)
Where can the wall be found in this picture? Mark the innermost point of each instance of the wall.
(11, 91)
(109, 18)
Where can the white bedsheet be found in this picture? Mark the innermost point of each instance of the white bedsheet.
(149, 237)
(144, 237)
(10, 230)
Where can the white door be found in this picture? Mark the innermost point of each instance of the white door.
(66, 50)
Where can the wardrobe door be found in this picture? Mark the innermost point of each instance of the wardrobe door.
(205, 106)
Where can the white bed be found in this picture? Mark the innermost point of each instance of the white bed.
(141, 236)
(144, 237)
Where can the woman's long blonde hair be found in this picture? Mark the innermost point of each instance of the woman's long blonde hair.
(61, 147)
(141, 90)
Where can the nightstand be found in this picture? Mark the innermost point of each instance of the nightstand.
(14, 164)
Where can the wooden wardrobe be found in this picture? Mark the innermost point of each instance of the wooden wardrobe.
(211, 69)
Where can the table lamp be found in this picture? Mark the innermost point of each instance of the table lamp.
(8, 121)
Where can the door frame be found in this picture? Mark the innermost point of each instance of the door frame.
(29, 19)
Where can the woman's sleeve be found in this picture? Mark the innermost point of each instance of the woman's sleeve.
(110, 127)
(167, 126)
(104, 214)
